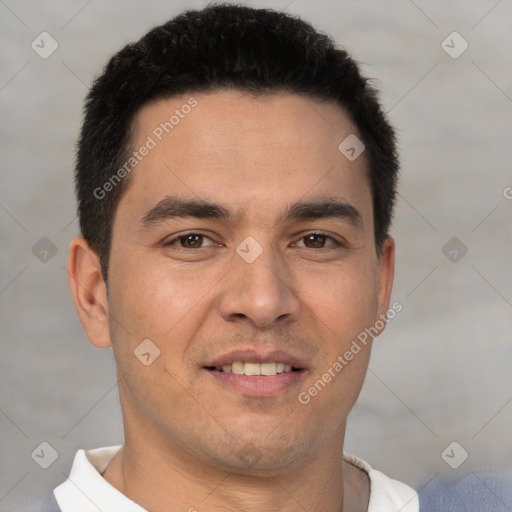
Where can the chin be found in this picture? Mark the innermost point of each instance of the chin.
(261, 457)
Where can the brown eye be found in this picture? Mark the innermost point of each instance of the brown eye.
(191, 241)
(315, 241)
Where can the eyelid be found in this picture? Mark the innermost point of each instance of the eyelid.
(325, 235)
(176, 238)
(335, 242)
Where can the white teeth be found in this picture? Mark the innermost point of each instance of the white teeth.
(267, 369)
(238, 368)
(252, 369)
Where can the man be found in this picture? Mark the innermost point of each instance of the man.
(235, 179)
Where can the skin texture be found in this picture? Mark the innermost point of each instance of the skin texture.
(190, 442)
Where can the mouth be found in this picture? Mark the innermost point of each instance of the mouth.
(255, 369)
(252, 374)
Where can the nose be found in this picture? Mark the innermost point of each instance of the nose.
(260, 292)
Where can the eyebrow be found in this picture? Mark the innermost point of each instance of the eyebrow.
(173, 207)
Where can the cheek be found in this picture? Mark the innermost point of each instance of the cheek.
(344, 301)
(159, 298)
(342, 308)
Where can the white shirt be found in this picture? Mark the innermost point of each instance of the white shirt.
(87, 491)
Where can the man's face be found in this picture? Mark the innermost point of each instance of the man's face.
(252, 281)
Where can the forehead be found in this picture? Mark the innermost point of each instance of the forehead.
(230, 116)
(253, 151)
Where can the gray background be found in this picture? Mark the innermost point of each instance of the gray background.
(440, 372)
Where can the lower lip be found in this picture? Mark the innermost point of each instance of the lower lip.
(258, 385)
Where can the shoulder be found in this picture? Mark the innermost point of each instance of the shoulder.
(386, 494)
(485, 492)
(45, 503)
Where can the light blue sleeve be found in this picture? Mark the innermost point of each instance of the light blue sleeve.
(477, 492)
(46, 503)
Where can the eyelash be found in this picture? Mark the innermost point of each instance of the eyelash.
(335, 243)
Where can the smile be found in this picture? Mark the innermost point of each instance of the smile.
(255, 369)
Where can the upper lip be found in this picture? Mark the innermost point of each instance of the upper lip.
(255, 356)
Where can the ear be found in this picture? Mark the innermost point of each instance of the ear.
(386, 273)
(89, 292)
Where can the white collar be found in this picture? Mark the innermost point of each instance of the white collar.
(87, 491)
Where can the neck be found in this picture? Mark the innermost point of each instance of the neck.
(163, 481)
